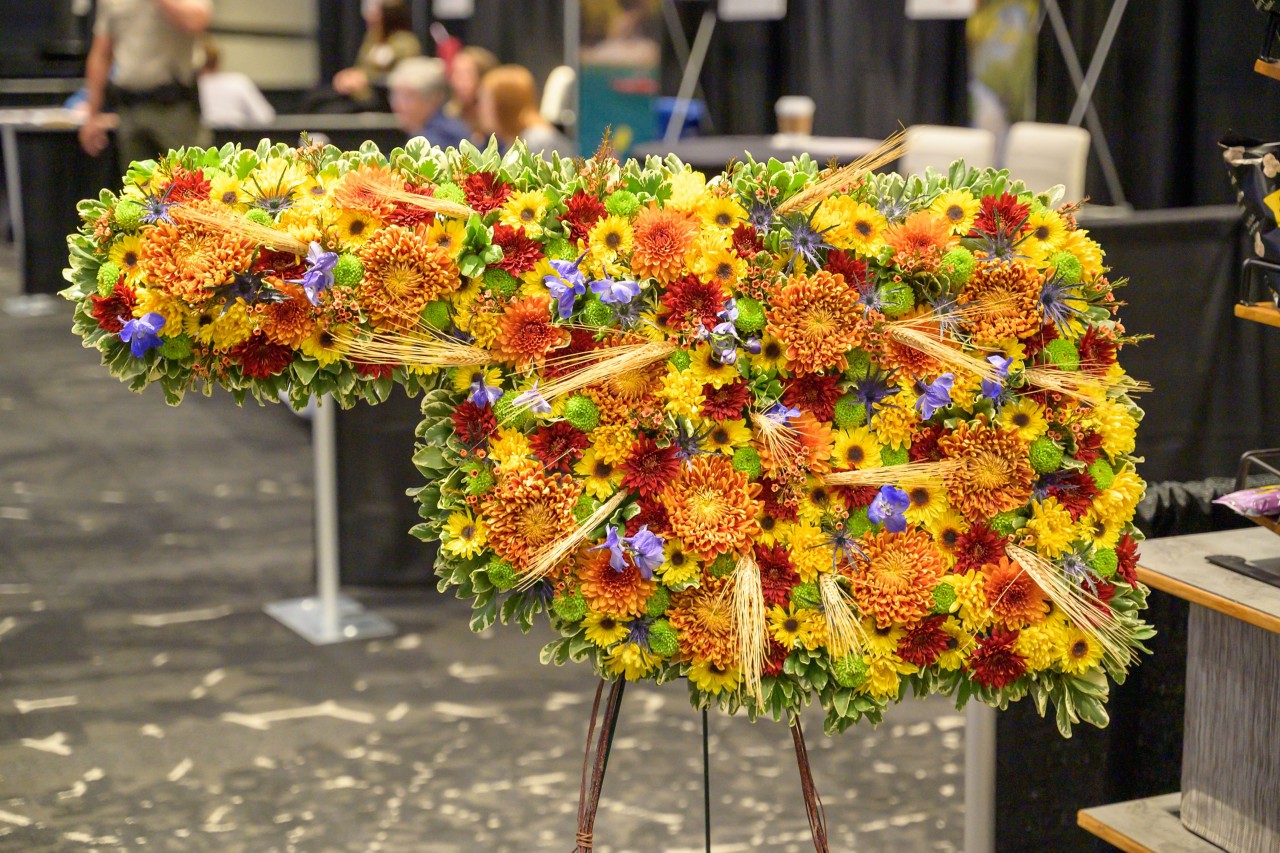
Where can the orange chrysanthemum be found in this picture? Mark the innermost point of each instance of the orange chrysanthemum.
(366, 189)
(289, 322)
(702, 617)
(662, 239)
(994, 474)
(712, 507)
(919, 241)
(816, 318)
(619, 594)
(1013, 595)
(403, 271)
(526, 333)
(893, 353)
(186, 260)
(895, 583)
(1002, 301)
(809, 443)
(528, 510)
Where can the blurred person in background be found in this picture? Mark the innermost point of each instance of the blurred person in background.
(142, 64)
(418, 91)
(466, 69)
(229, 98)
(508, 107)
(388, 39)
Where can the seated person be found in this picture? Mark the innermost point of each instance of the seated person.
(508, 107)
(388, 39)
(418, 92)
(466, 69)
(229, 98)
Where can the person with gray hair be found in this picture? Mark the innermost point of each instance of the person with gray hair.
(419, 89)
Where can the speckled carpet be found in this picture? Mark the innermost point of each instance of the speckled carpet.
(147, 703)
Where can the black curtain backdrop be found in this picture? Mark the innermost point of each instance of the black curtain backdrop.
(1179, 76)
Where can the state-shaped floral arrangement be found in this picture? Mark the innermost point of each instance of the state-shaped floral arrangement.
(788, 433)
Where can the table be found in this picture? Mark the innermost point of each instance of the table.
(713, 153)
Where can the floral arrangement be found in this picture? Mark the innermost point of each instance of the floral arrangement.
(788, 433)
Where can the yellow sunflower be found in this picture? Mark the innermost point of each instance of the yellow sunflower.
(1047, 231)
(609, 241)
(603, 630)
(126, 253)
(722, 212)
(225, 189)
(324, 344)
(713, 679)
(679, 567)
(525, 210)
(957, 207)
(1026, 418)
(599, 478)
(788, 626)
(1080, 652)
(855, 449)
(710, 371)
(447, 234)
(464, 535)
(354, 227)
(726, 436)
(928, 503)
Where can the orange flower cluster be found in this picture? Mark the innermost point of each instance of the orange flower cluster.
(712, 507)
(187, 260)
(816, 318)
(1003, 301)
(529, 509)
(402, 273)
(703, 617)
(662, 239)
(901, 570)
(994, 474)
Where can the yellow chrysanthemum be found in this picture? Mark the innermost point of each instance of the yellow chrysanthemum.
(1080, 652)
(958, 647)
(928, 503)
(324, 344)
(726, 436)
(447, 234)
(683, 393)
(599, 478)
(709, 678)
(1099, 530)
(688, 190)
(679, 567)
(884, 676)
(709, 371)
(354, 228)
(1052, 527)
(1086, 251)
(809, 550)
(1119, 501)
(1116, 427)
(223, 329)
(464, 535)
(302, 221)
(509, 447)
(485, 327)
(894, 425)
(882, 642)
(178, 317)
(959, 208)
(722, 212)
(612, 442)
(1025, 417)
(1042, 644)
(126, 253)
(603, 630)
(971, 595)
(225, 189)
(631, 661)
(525, 210)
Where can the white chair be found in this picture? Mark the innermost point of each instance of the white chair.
(1043, 155)
(558, 96)
(936, 146)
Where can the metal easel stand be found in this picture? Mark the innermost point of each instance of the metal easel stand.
(328, 616)
(689, 79)
(979, 778)
(1086, 82)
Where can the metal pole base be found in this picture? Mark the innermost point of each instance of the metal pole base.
(305, 617)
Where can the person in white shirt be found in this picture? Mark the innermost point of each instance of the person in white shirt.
(229, 98)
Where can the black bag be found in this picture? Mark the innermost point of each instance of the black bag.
(1255, 175)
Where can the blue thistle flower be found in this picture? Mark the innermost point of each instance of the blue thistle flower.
(1056, 298)
(274, 200)
(250, 288)
(156, 208)
(874, 388)
(803, 239)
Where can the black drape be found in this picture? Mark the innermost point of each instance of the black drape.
(1179, 76)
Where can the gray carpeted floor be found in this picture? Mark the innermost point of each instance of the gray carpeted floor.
(146, 703)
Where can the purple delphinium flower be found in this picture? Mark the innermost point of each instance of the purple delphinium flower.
(644, 550)
(781, 414)
(533, 400)
(889, 507)
(566, 285)
(724, 340)
(319, 275)
(484, 395)
(616, 546)
(142, 334)
(615, 292)
(992, 389)
(936, 395)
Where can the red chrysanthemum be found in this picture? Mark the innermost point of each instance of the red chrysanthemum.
(259, 358)
(650, 467)
(777, 575)
(1003, 214)
(813, 392)
(725, 403)
(924, 446)
(652, 514)
(285, 265)
(559, 445)
(746, 240)
(1035, 344)
(474, 424)
(187, 186)
(1088, 447)
(485, 192)
(520, 252)
(409, 215)
(1097, 351)
(582, 211)
(994, 663)
(776, 658)
(853, 268)
(924, 642)
(978, 546)
(375, 371)
(692, 304)
(856, 497)
(1075, 492)
(1127, 556)
(113, 311)
(778, 501)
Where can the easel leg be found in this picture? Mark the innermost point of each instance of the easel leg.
(589, 795)
(812, 802)
(706, 778)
